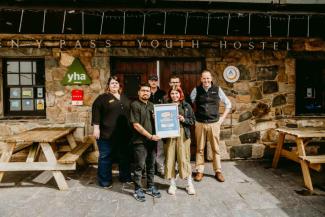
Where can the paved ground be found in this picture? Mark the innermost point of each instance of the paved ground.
(251, 189)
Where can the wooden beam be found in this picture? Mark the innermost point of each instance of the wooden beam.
(73, 156)
(32, 153)
(6, 155)
(50, 157)
(278, 150)
(35, 166)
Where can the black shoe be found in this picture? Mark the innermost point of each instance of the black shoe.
(127, 181)
(153, 191)
(139, 195)
(108, 186)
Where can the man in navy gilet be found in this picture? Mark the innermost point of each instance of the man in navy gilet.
(207, 97)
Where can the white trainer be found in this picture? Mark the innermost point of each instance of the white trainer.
(172, 190)
(190, 189)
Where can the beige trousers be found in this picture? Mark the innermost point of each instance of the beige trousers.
(207, 132)
(177, 149)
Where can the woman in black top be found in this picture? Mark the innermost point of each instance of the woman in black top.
(110, 117)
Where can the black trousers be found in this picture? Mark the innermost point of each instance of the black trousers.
(144, 157)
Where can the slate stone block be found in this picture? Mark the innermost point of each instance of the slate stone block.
(252, 137)
(267, 72)
(270, 87)
(241, 151)
(279, 100)
(245, 116)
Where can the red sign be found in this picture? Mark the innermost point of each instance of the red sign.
(77, 97)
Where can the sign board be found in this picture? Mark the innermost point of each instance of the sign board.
(77, 97)
(76, 74)
(231, 74)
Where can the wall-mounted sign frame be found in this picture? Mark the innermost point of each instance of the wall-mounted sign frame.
(231, 74)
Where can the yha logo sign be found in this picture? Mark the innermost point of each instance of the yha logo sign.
(76, 74)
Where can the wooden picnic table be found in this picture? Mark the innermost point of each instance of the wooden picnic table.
(303, 137)
(42, 139)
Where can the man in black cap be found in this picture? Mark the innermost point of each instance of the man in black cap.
(157, 97)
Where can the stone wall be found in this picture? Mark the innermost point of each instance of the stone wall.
(262, 99)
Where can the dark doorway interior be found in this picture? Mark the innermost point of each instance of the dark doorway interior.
(310, 87)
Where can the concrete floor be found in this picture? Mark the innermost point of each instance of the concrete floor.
(251, 189)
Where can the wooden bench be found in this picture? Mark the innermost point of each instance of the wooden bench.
(303, 137)
(317, 159)
(74, 154)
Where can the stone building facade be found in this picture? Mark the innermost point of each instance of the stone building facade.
(263, 98)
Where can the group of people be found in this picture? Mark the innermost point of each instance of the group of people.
(126, 131)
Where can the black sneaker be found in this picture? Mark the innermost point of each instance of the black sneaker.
(139, 195)
(153, 191)
(110, 185)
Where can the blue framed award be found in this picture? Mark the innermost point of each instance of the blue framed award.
(166, 120)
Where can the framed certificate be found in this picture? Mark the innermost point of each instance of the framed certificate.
(166, 120)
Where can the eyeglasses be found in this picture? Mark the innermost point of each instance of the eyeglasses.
(174, 82)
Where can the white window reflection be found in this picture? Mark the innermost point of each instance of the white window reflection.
(12, 66)
(13, 79)
(15, 93)
(26, 79)
(25, 66)
(28, 104)
(15, 105)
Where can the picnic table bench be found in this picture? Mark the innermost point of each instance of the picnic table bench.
(43, 140)
(303, 137)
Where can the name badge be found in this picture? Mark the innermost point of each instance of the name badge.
(110, 101)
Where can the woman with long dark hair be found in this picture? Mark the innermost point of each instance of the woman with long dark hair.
(110, 117)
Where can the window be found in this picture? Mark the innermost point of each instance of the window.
(310, 87)
(24, 90)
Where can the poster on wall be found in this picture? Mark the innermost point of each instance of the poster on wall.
(27, 93)
(40, 104)
(39, 92)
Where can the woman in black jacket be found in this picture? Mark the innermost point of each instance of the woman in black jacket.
(110, 117)
(177, 149)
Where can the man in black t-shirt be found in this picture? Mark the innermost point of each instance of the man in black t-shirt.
(144, 141)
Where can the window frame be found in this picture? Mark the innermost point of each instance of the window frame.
(40, 67)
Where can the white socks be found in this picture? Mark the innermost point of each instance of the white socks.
(173, 181)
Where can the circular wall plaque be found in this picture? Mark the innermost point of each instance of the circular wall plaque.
(231, 74)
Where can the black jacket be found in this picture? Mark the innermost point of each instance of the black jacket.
(189, 118)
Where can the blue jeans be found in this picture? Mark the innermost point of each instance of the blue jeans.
(104, 172)
(105, 161)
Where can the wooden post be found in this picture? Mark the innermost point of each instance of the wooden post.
(6, 155)
(50, 157)
(278, 150)
(304, 164)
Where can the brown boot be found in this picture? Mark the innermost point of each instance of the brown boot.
(219, 177)
(198, 177)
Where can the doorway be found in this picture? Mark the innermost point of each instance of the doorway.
(133, 71)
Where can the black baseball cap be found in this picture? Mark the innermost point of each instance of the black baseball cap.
(153, 77)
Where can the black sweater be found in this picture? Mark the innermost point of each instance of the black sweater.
(112, 116)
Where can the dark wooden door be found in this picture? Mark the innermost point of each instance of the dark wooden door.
(187, 69)
(132, 72)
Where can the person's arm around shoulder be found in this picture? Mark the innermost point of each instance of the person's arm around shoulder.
(227, 103)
